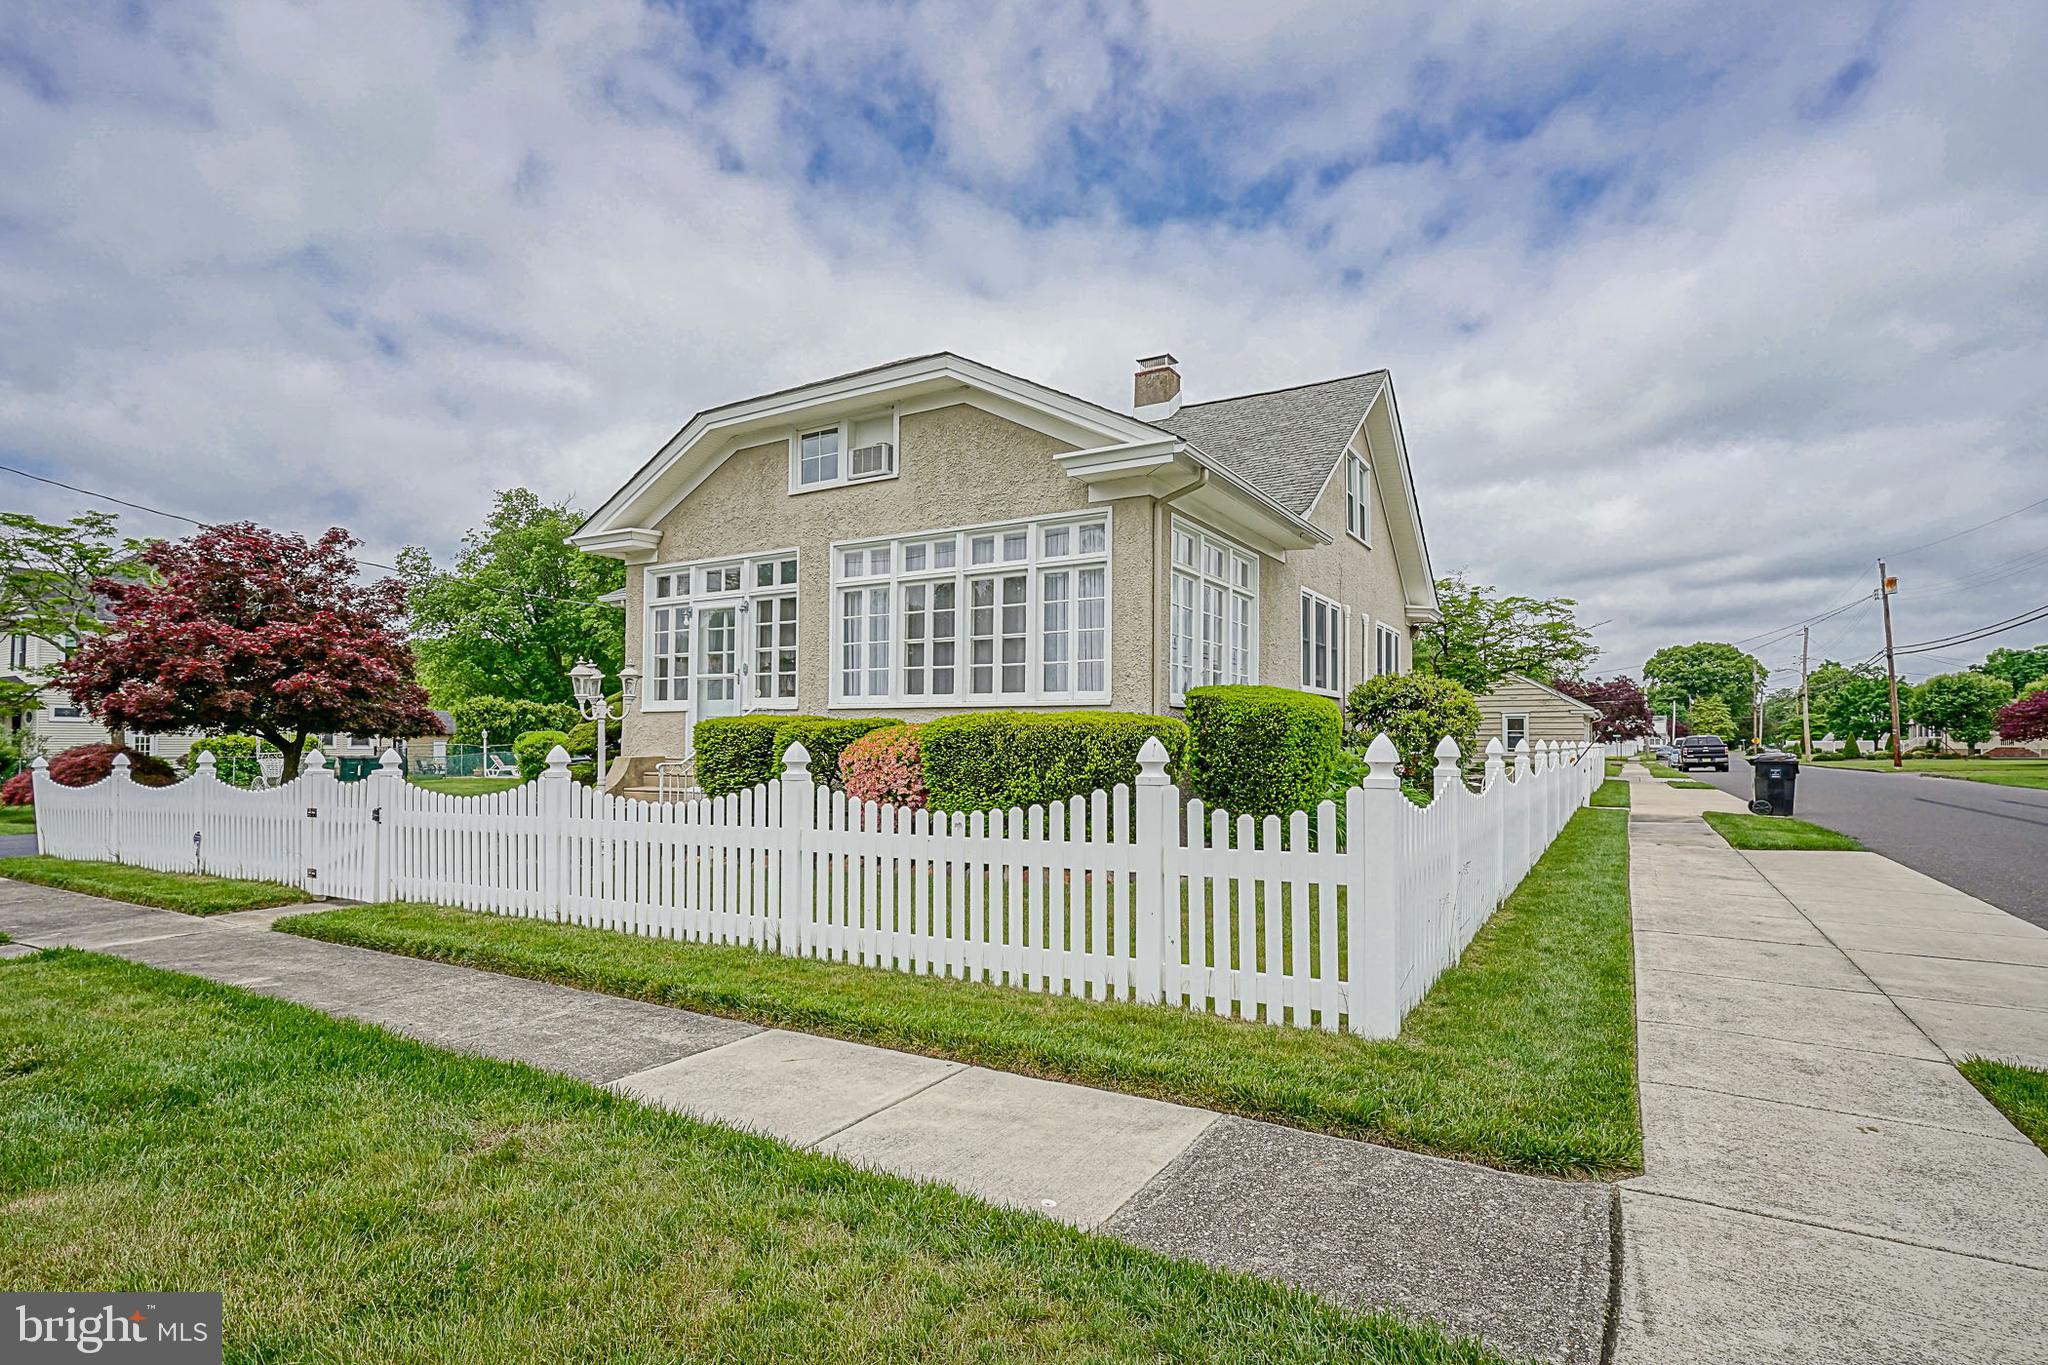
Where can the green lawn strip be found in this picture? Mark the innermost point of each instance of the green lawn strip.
(185, 891)
(1766, 833)
(1661, 769)
(467, 786)
(1687, 784)
(1612, 792)
(2019, 1092)
(17, 819)
(1614, 766)
(1523, 1056)
(358, 1196)
(2004, 772)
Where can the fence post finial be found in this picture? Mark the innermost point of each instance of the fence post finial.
(390, 761)
(314, 761)
(558, 764)
(1496, 764)
(207, 764)
(121, 764)
(1385, 762)
(1448, 773)
(1152, 761)
(796, 760)
(41, 765)
(1521, 758)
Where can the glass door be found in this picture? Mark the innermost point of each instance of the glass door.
(717, 663)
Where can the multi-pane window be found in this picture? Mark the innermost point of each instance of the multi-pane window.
(1212, 613)
(696, 628)
(1358, 497)
(817, 457)
(1322, 644)
(1386, 650)
(1014, 613)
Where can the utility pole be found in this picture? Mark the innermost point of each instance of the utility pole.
(1756, 708)
(1805, 711)
(1885, 587)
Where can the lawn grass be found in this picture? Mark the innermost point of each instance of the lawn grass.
(1687, 784)
(1614, 766)
(1661, 769)
(1612, 792)
(467, 786)
(358, 1196)
(1522, 1056)
(2019, 1092)
(185, 891)
(17, 819)
(2004, 772)
(1767, 833)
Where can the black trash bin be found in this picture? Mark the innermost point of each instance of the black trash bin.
(1776, 774)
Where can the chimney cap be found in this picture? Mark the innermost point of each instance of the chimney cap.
(1162, 361)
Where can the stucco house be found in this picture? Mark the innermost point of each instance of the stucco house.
(1518, 708)
(935, 535)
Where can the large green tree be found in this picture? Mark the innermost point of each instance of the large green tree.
(1680, 674)
(516, 610)
(1962, 706)
(2019, 667)
(1711, 716)
(1860, 706)
(47, 570)
(1484, 636)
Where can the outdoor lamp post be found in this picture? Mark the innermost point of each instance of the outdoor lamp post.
(586, 680)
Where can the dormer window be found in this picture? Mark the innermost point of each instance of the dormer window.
(857, 450)
(817, 458)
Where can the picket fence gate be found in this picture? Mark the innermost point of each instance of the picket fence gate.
(1337, 919)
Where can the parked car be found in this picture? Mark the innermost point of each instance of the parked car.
(1701, 751)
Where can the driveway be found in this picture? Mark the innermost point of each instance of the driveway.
(17, 845)
(1989, 841)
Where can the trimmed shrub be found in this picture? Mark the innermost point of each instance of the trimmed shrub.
(1416, 711)
(532, 748)
(89, 763)
(19, 790)
(507, 718)
(735, 752)
(825, 738)
(885, 765)
(583, 740)
(1260, 750)
(990, 760)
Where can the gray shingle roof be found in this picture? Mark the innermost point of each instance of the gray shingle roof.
(1283, 443)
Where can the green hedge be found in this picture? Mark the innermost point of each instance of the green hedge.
(988, 760)
(737, 752)
(532, 748)
(234, 757)
(1417, 711)
(1261, 750)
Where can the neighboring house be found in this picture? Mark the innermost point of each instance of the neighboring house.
(1518, 708)
(934, 535)
(58, 723)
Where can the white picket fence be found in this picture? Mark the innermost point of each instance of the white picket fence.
(1340, 919)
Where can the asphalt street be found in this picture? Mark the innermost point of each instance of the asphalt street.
(16, 845)
(1987, 840)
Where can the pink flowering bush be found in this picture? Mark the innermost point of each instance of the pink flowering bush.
(885, 765)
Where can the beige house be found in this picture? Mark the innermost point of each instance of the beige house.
(935, 535)
(1517, 708)
(58, 723)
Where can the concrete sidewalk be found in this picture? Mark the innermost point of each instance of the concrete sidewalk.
(1821, 1184)
(1524, 1263)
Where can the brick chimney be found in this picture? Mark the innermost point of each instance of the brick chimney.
(1155, 393)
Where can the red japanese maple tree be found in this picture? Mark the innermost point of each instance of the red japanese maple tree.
(252, 631)
(1624, 711)
(2026, 718)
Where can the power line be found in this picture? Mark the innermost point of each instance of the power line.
(1956, 535)
(2026, 618)
(509, 591)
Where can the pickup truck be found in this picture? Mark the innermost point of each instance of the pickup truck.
(1701, 751)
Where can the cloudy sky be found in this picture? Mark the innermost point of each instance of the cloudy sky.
(1694, 309)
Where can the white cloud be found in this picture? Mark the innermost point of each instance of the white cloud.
(1686, 322)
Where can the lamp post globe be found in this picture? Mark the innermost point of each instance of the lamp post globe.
(587, 684)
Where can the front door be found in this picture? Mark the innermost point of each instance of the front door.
(717, 663)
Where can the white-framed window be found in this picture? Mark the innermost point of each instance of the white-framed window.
(1322, 645)
(831, 455)
(1213, 612)
(1358, 498)
(759, 650)
(1013, 613)
(1513, 730)
(17, 651)
(1386, 650)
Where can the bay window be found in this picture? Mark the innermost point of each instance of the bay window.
(1012, 613)
(1212, 616)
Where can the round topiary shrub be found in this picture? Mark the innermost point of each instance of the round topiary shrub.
(90, 763)
(532, 749)
(1416, 711)
(885, 765)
